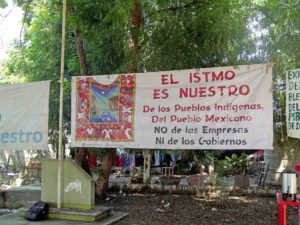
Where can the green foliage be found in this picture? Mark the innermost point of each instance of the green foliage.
(202, 35)
(205, 157)
(3, 3)
(280, 21)
(236, 164)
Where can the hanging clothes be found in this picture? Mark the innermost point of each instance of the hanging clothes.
(85, 164)
(127, 160)
(132, 161)
(173, 157)
(156, 158)
(115, 161)
(167, 159)
(139, 160)
(121, 161)
(162, 159)
(92, 159)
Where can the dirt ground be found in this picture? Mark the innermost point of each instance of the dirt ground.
(179, 209)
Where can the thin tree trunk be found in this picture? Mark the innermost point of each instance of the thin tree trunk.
(80, 49)
(133, 67)
(83, 71)
(81, 53)
(136, 19)
(7, 164)
(102, 182)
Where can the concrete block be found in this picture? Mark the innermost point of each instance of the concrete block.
(22, 196)
(2, 199)
(77, 187)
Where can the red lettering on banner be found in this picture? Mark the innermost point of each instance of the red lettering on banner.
(194, 77)
(232, 90)
(244, 90)
(168, 79)
(147, 108)
(214, 76)
(206, 74)
(160, 93)
(229, 75)
(201, 92)
(156, 93)
(211, 76)
(212, 91)
(221, 89)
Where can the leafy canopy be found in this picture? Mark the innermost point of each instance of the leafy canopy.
(174, 34)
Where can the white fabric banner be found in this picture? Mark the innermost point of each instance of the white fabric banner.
(206, 108)
(24, 116)
(293, 102)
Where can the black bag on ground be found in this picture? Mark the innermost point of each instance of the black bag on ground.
(38, 211)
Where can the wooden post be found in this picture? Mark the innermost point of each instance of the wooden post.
(62, 69)
(147, 166)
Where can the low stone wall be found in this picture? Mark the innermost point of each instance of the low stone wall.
(202, 190)
(2, 199)
(24, 196)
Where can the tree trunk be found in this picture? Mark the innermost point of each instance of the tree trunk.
(80, 49)
(102, 182)
(211, 167)
(81, 53)
(7, 164)
(136, 19)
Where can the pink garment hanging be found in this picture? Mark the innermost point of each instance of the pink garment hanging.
(121, 161)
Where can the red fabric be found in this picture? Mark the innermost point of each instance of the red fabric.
(92, 160)
(115, 161)
(259, 154)
(121, 161)
(297, 167)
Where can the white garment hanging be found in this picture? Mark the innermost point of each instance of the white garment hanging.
(156, 158)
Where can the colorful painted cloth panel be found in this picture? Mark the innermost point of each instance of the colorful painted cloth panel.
(105, 112)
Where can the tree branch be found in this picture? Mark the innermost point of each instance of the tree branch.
(5, 16)
(80, 52)
(80, 48)
(187, 5)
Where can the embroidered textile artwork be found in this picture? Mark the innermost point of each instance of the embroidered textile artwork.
(105, 112)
